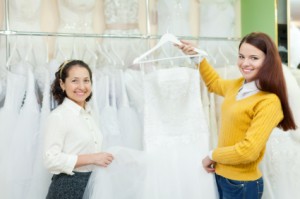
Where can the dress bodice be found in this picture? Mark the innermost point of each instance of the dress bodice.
(121, 11)
(173, 16)
(173, 113)
(25, 15)
(217, 18)
(15, 91)
(76, 16)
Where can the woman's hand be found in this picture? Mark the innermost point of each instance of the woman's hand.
(102, 159)
(208, 165)
(187, 48)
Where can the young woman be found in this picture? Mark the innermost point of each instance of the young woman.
(253, 106)
(72, 138)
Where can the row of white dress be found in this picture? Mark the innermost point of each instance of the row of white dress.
(21, 125)
(157, 124)
(138, 115)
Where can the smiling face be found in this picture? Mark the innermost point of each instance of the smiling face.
(250, 61)
(77, 85)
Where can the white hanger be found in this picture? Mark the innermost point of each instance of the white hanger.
(113, 50)
(14, 51)
(74, 53)
(60, 53)
(47, 49)
(226, 61)
(167, 37)
(103, 53)
(93, 57)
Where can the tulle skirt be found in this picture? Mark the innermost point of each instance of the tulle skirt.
(171, 173)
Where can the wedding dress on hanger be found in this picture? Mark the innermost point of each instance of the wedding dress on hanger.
(130, 126)
(175, 137)
(25, 15)
(22, 150)
(122, 18)
(108, 117)
(41, 178)
(218, 19)
(75, 17)
(173, 17)
(176, 134)
(9, 113)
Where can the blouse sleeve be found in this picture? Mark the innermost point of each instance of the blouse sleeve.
(55, 160)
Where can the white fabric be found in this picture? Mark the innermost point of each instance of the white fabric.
(64, 140)
(247, 90)
(75, 17)
(3, 78)
(41, 178)
(217, 18)
(173, 16)
(296, 74)
(295, 45)
(280, 166)
(25, 15)
(109, 118)
(122, 13)
(176, 138)
(23, 147)
(129, 123)
(16, 84)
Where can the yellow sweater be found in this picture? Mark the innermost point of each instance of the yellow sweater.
(246, 125)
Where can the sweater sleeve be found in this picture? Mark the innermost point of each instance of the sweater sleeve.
(267, 116)
(212, 79)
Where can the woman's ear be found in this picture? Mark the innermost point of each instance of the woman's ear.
(62, 85)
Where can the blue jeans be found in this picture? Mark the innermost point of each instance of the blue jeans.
(233, 189)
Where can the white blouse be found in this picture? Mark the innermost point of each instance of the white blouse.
(70, 131)
(247, 90)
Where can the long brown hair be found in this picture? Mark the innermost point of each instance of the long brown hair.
(270, 75)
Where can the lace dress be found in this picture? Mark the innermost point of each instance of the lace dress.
(41, 178)
(23, 147)
(25, 15)
(173, 17)
(121, 18)
(75, 17)
(176, 138)
(10, 117)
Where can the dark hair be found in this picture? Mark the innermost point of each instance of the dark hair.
(270, 76)
(62, 73)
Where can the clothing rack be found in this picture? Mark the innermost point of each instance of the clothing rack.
(143, 36)
(8, 32)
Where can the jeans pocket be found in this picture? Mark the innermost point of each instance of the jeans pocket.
(235, 183)
(232, 189)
